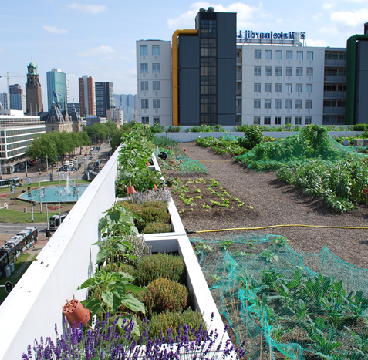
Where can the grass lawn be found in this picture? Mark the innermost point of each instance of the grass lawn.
(23, 259)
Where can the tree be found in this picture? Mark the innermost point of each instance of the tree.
(42, 146)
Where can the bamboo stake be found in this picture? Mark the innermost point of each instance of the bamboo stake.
(297, 354)
(262, 335)
(270, 350)
(246, 322)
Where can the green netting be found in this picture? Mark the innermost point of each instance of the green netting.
(188, 166)
(285, 304)
(228, 137)
(312, 142)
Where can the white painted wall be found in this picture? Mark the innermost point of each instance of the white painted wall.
(165, 92)
(35, 305)
(248, 79)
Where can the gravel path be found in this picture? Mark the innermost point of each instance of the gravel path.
(271, 202)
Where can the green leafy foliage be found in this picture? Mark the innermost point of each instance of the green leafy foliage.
(252, 137)
(158, 266)
(109, 290)
(157, 228)
(164, 294)
(175, 321)
(222, 145)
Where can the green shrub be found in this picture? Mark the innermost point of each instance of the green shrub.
(173, 129)
(158, 266)
(163, 141)
(360, 127)
(156, 228)
(252, 137)
(157, 128)
(129, 269)
(164, 294)
(139, 249)
(173, 320)
(149, 212)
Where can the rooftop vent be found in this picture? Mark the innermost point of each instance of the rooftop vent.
(366, 28)
(211, 9)
(202, 10)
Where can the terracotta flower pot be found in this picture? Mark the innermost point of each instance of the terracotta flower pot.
(75, 312)
(130, 190)
(154, 187)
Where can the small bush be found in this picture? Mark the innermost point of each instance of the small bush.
(115, 267)
(158, 266)
(156, 228)
(165, 295)
(139, 249)
(173, 129)
(174, 320)
(163, 141)
(252, 137)
(360, 127)
(163, 195)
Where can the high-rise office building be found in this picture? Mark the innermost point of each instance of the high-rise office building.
(33, 91)
(86, 96)
(56, 88)
(4, 101)
(17, 98)
(104, 97)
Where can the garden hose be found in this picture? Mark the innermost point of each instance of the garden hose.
(278, 226)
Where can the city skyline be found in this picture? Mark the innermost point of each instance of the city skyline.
(99, 39)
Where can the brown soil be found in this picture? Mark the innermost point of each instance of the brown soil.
(268, 201)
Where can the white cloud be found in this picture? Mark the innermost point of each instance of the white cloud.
(245, 14)
(54, 29)
(1, 49)
(350, 18)
(316, 42)
(327, 6)
(98, 51)
(88, 9)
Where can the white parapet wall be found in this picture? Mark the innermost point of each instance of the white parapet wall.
(35, 304)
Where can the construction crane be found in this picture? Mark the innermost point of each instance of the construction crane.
(8, 92)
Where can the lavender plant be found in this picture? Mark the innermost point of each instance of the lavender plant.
(158, 195)
(115, 339)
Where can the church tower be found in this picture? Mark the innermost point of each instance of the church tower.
(33, 90)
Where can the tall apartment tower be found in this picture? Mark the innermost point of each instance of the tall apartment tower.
(204, 71)
(104, 97)
(56, 88)
(4, 101)
(86, 96)
(153, 82)
(33, 91)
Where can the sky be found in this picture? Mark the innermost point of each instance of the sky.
(98, 38)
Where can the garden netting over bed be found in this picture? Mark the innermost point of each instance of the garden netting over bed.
(313, 142)
(285, 304)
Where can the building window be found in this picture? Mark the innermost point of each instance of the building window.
(299, 71)
(268, 54)
(309, 55)
(144, 103)
(144, 85)
(268, 70)
(289, 55)
(288, 88)
(257, 103)
(287, 120)
(309, 88)
(156, 68)
(298, 104)
(278, 104)
(308, 120)
(145, 120)
(257, 120)
(144, 67)
(257, 87)
(278, 88)
(257, 54)
(309, 71)
(308, 104)
(278, 54)
(257, 71)
(156, 85)
(156, 50)
(278, 120)
(298, 88)
(278, 71)
(299, 55)
(268, 87)
(298, 120)
(267, 120)
(268, 104)
(143, 50)
(156, 103)
(288, 71)
(156, 120)
(288, 104)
